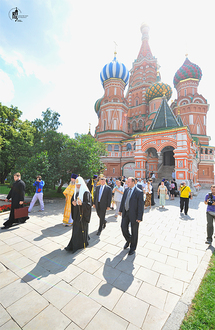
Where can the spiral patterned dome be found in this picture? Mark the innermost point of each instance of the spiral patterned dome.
(97, 106)
(187, 70)
(158, 89)
(114, 69)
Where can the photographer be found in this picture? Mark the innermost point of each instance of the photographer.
(185, 194)
(39, 183)
(210, 202)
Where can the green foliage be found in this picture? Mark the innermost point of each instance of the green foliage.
(50, 122)
(36, 148)
(202, 314)
(88, 156)
(16, 139)
(31, 167)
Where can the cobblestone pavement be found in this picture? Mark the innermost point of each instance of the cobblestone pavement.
(44, 287)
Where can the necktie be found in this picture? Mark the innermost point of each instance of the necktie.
(100, 192)
(127, 200)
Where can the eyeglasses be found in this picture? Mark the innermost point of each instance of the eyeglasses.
(102, 179)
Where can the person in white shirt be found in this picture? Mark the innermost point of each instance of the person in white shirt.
(118, 192)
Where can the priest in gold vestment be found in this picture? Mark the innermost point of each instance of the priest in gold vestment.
(68, 193)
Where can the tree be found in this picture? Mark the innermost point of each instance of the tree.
(38, 164)
(16, 139)
(80, 156)
(50, 122)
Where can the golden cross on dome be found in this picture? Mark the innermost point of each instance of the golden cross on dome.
(115, 52)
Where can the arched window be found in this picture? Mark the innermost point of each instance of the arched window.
(134, 125)
(116, 147)
(104, 125)
(140, 124)
(109, 147)
(198, 129)
(128, 146)
(137, 101)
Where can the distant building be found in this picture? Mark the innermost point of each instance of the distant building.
(142, 132)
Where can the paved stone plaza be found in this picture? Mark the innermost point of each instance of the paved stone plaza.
(44, 287)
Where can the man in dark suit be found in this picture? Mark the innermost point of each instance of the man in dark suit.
(138, 184)
(131, 209)
(17, 194)
(102, 202)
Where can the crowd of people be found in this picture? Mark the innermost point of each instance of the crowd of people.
(129, 195)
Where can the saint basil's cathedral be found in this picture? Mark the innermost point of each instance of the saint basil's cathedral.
(142, 133)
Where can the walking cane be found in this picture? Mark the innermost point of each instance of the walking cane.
(82, 226)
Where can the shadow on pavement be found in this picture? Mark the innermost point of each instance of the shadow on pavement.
(123, 280)
(53, 231)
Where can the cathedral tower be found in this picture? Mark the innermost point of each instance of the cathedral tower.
(192, 106)
(112, 107)
(142, 75)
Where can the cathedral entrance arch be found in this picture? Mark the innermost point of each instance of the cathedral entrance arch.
(128, 170)
(168, 156)
(152, 161)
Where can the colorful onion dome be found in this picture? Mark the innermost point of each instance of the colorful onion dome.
(186, 71)
(158, 89)
(97, 106)
(114, 69)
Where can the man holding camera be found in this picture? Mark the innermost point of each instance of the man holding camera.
(210, 202)
(39, 183)
(185, 194)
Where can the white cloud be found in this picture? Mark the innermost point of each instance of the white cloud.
(6, 88)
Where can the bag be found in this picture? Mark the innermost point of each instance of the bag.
(22, 212)
(212, 213)
(167, 196)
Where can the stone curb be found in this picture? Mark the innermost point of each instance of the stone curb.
(177, 316)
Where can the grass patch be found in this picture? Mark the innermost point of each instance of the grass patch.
(5, 188)
(53, 193)
(201, 315)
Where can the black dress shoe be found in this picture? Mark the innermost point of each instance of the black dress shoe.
(126, 245)
(131, 252)
(67, 249)
(6, 227)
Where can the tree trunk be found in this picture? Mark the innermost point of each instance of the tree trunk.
(59, 189)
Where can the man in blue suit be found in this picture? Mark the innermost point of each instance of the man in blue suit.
(102, 201)
(131, 209)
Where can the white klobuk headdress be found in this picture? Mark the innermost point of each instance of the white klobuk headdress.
(82, 189)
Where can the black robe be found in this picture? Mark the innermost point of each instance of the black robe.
(80, 223)
(17, 194)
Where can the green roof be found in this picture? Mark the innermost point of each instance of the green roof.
(164, 117)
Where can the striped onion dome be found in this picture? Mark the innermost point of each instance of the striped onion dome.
(114, 69)
(97, 106)
(158, 89)
(186, 71)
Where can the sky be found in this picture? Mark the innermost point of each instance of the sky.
(53, 58)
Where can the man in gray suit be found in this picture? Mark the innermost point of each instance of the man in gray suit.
(102, 201)
(131, 209)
